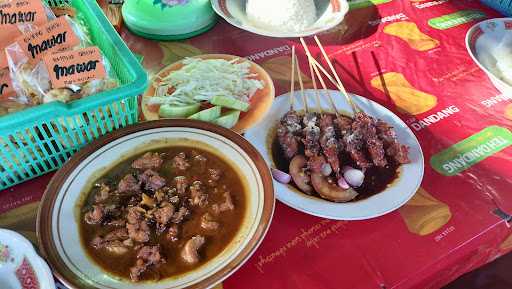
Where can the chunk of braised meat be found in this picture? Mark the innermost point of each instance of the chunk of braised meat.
(138, 229)
(152, 180)
(114, 242)
(117, 223)
(137, 270)
(113, 211)
(208, 223)
(118, 234)
(180, 162)
(151, 255)
(163, 216)
(128, 184)
(181, 184)
(139, 232)
(213, 176)
(174, 199)
(172, 233)
(200, 162)
(197, 196)
(103, 194)
(149, 160)
(394, 149)
(228, 203)
(189, 253)
(95, 215)
(180, 215)
(116, 247)
(146, 257)
(159, 196)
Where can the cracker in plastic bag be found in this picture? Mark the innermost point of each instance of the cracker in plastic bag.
(18, 12)
(30, 74)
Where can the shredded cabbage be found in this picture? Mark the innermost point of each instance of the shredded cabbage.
(200, 80)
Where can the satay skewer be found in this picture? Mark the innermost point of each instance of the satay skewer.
(292, 85)
(329, 63)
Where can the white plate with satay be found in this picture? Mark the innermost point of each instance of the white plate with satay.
(337, 155)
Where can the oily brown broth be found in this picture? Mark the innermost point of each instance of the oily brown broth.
(376, 179)
(216, 242)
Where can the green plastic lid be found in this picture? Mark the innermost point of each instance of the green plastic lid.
(168, 19)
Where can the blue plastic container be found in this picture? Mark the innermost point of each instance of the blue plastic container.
(503, 6)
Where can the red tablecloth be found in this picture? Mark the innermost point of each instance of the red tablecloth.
(410, 57)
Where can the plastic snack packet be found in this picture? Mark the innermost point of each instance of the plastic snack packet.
(17, 12)
(30, 74)
(74, 74)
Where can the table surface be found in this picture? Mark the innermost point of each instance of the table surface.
(450, 226)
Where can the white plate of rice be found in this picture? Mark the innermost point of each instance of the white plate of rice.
(282, 18)
(490, 45)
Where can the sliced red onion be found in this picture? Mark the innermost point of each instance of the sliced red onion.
(281, 176)
(342, 183)
(354, 177)
(326, 169)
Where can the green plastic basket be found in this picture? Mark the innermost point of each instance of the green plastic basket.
(40, 139)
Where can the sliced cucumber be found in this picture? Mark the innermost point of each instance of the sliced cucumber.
(207, 114)
(230, 102)
(228, 120)
(173, 111)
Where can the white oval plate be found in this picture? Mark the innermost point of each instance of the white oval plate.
(484, 36)
(20, 266)
(397, 194)
(233, 11)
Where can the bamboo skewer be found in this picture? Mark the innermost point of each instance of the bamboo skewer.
(336, 83)
(329, 63)
(301, 84)
(292, 85)
(317, 96)
(331, 101)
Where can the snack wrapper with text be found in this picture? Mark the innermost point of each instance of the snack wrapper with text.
(47, 64)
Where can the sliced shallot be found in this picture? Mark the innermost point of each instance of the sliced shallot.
(281, 176)
(326, 169)
(342, 183)
(354, 177)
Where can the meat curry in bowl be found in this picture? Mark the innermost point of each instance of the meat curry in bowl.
(162, 213)
(164, 205)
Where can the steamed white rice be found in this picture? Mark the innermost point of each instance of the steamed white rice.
(503, 54)
(498, 59)
(282, 15)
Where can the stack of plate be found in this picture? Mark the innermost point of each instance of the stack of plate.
(168, 19)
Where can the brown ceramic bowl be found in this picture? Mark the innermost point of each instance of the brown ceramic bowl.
(58, 218)
(260, 101)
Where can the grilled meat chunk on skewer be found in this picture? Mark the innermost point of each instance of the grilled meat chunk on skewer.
(288, 131)
(329, 143)
(364, 128)
(394, 149)
(351, 143)
(311, 135)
